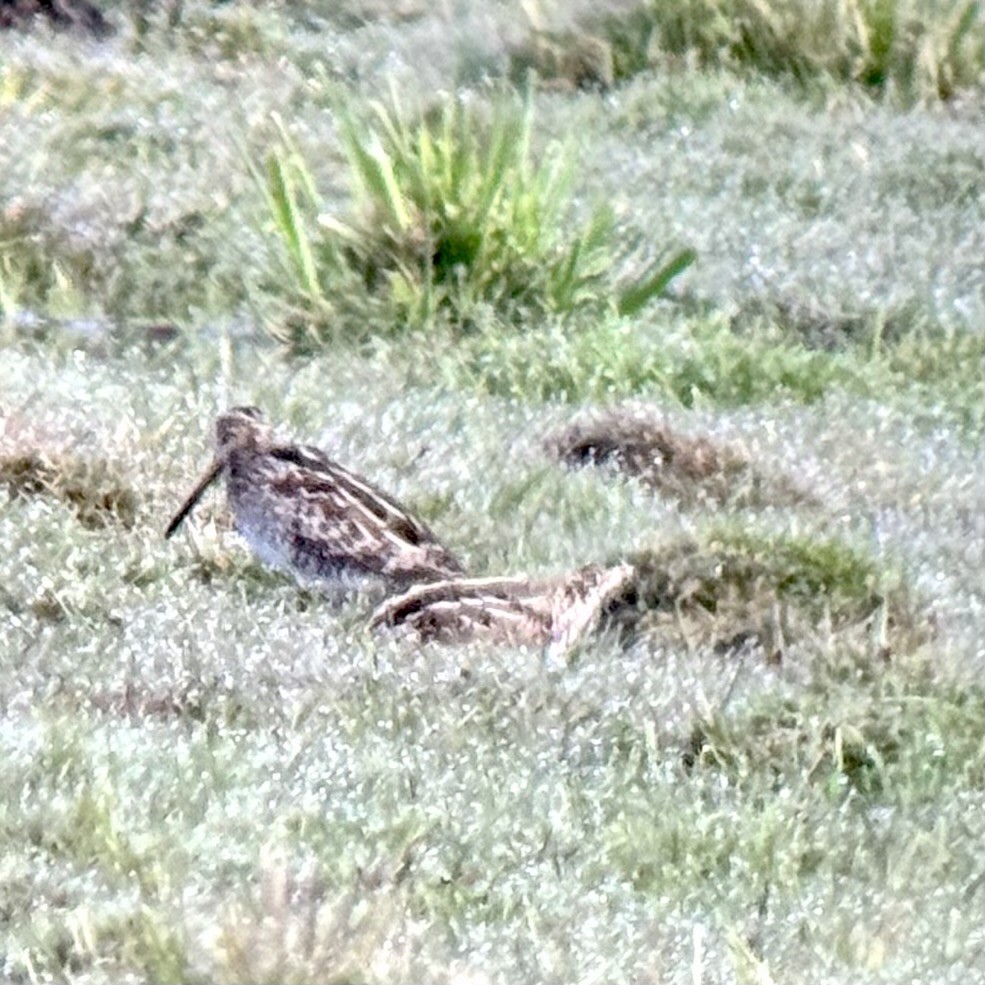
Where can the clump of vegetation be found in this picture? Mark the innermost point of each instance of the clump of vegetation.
(692, 469)
(810, 571)
(91, 488)
(564, 60)
(452, 218)
(713, 361)
(294, 930)
(737, 587)
(911, 49)
(39, 268)
(944, 369)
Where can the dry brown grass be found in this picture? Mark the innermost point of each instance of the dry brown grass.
(94, 489)
(692, 469)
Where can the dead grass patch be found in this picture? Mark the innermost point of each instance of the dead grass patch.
(564, 60)
(691, 469)
(135, 702)
(91, 487)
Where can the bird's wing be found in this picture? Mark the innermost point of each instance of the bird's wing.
(348, 512)
(354, 491)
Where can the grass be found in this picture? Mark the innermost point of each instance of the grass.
(701, 361)
(736, 588)
(766, 767)
(909, 50)
(696, 364)
(452, 217)
(222, 802)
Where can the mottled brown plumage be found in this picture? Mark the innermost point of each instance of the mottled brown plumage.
(554, 613)
(303, 512)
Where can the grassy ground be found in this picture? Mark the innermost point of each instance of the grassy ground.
(769, 770)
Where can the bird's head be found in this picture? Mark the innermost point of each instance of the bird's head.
(241, 428)
(237, 430)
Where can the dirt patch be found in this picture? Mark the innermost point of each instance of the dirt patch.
(691, 469)
(91, 488)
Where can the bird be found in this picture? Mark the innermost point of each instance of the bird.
(302, 512)
(553, 613)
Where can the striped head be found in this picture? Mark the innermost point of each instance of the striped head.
(242, 428)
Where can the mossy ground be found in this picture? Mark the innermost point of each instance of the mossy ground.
(766, 767)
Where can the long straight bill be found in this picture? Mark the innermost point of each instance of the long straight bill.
(196, 494)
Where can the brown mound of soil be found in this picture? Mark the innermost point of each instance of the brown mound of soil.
(689, 468)
(76, 15)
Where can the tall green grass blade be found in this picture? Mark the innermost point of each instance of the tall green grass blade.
(299, 169)
(374, 171)
(963, 47)
(654, 282)
(381, 179)
(283, 202)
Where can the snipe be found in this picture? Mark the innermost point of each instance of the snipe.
(302, 512)
(555, 614)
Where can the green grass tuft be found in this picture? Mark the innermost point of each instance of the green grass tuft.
(735, 586)
(452, 218)
(703, 361)
(806, 570)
